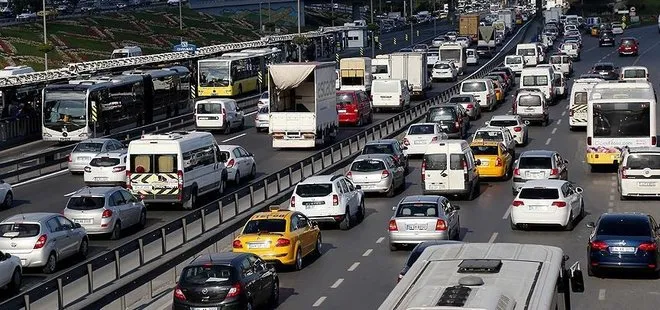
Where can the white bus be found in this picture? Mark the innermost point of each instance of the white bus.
(619, 113)
(451, 51)
(488, 276)
(577, 107)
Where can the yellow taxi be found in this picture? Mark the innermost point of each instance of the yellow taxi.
(499, 91)
(495, 160)
(280, 237)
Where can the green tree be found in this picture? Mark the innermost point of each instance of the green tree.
(20, 6)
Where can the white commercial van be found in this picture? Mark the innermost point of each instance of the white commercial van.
(218, 114)
(514, 62)
(380, 67)
(541, 79)
(577, 106)
(530, 52)
(390, 94)
(634, 73)
(483, 90)
(175, 167)
(127, 51)
(449, 167)
(452, 51)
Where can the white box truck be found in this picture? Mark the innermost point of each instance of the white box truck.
(355, 73)
(411, 67)
(303, 104)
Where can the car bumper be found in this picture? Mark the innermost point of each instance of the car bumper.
(348, 118)
(379, 187)
(533, 118)
(557, 217)
(416, 149)
(401, 237)
(442, 76)
(640, 187)
(36, 258)
(261, 124)
(77, 166)
(627, 52)
(233, 305)
(428, 189)
(491, 172)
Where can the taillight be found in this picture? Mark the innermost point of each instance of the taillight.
(624, 172)
(517, 129)
(457, 124)
(231, 163)
(517, 203)
(179, 176)
(106, 214)
(470, 106)
(406, 141)
(598, 245)
(464, 164)
(559, 204)
(570, 113)
(41, 242)
(349, 175)
(70, 160)
(435, 139)
(293, 202)
(178, 294)
(89, 169)
(392, 226)
(237, 244)
(335, 200)
(234, 291)
(423, 170)
(654, 140)
(440, 225)
(385, 174)
(498, 162)
(282, 242)
(516, 171)
(588, 140)
(554, 171)
(648, 247)
(128, 180)
(118, 169)
(399, 278)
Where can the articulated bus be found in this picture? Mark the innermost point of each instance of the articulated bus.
(124, 101)
(619, 113)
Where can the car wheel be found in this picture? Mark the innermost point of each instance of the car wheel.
(571, 222)
(9, 200)
(143, 219)
(345, 224)
(237, 177)
(394, 247)
(253, 172)
(51, 264)
(361, 212)
(116, 231)
(83, 250)
(513, 226)
(390, 191)
(583, 213)
(274, 295)
(242, 124)
(359, 122)
(318, 246)
(16, 280)
(299, 260)
(227, 129)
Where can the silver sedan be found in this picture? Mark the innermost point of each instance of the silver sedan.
(377, 173)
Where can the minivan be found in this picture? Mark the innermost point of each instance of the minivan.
(483, 90)
(531, 105)
(539, 78)
(515, 63)
(449, 168)
(390, 94)
(530, 52)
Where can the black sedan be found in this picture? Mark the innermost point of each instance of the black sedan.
(606, 70)
(623, 241)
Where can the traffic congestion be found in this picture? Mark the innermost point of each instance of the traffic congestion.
(550, 158)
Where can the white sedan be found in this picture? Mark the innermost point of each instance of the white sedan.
(514, 124)
(11, 272)
(547, 202)
(6, 195)
(419, 136)
(240, 163)
(472, 58)
(444, 70)
(617, 28)
(107, 169)
(464, 41)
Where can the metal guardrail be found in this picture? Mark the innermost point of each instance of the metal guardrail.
(16, 131)
(93, 284)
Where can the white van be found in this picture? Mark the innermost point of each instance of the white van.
(471, 57)
(515, 62)
(530, 52)
(15, 70)
(175, 167)
(634, 73)
(218, 114)
(126, 51)
(483, 90)
(449, 167)
(380, 68)
(558, 81)
(577, 106)
(539, 78)
(390, 94)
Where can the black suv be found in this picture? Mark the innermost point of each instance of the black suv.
(606, 38)
(606, 70)
(452, 118)
(226, 281)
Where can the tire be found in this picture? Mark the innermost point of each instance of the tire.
(242, 124)
(51, 264)
(361, 212)
(359, 122)
(457, 236)
(371, 117)
(16, 280)
(583, 213)
(390, 191)
(513, 226)
(592, 272)
(318, 246)
(274, 299)
(227, 129)
(116, 231)
(237, 177)
(143, 219)
(571, 222)
(253, 172)
(298, 264)
(346, 224)
(394, 247)
(240, 89)
(223, 186)
(9, 200)
(83, 250)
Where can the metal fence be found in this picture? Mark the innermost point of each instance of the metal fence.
(16, 131)
(112, 275)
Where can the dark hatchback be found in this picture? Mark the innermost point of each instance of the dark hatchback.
(623, 241)
(418, 250)
(606, 70)
(606, 38)
(227, 281)
(452, 118)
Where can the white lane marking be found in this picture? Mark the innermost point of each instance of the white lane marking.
(601, 294)
(337, 283)
(236, 137)
(506, 214)
(367, 252)
(612, 190)
(56, 173)
(69, 194)
(319, 301)
(610, 204)
(380, 240)
(559, 121)
(493, 237)
(610, 210)
(563, 113)
(547, 142)
(554, 130)
(612, 197)
(354, 266)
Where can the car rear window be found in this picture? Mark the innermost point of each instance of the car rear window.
(344, 98)
(555, 59)
(580, 98)
(485, 150)
(441, 66)
(367, 165)
(627, 42)
(441, 114)
(604, 68)
(417, 210)
(378, 149)
(88, 147)
(488, 135)
(314, 190)
(209, 108)
(207, 275)
(634, 74)
(19, 230)
(460, 99)
(265, 226)
(539, 193)
(529, 101)
(104, 162)
(435, 161)
(642, 161)
(85, 203)
(470, 87)
(532, 162)
(504, 123)
(167, 163)
(622, 226)
(421, 130)
(513, 60)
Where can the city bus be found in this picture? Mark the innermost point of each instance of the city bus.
(232, 74)
(488, 276)
(619, 113)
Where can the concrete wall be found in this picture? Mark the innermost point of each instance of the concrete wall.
(220, 7)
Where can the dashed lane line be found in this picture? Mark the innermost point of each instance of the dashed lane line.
(559, 121)
(380, 240)
(554, 130)
(493, 237)
(547, 142)
(506, 214)
(354, 266)
(367, 252)
(611, 197)
(337, 283)
(563, 113)
(319, 301)
(235, 137)
(601, 294)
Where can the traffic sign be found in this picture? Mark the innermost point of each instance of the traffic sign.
(185, 47)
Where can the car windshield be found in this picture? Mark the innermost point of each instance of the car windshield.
(539, 193)
(18, 230)
(378, 149)
(368, 165)
(624, 226)
(207, 274)
(314, 190)
(88, 147)
(489, 150)
(421, 130)
(534, 162)
(85, 203)
(417, 210)
(513, 60)
(265, 226)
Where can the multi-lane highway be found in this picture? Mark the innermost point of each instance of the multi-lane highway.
(357, 269)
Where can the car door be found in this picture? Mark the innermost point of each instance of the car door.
(246, 159)
(119, 205)
(451, 215)
(265, 277)
(251, 280)
(304, 233)
(509, 141)
(238, 161)
(69, 239)
(132, 207)
(5, 270)
(571, 197)
(347, 196)
(398, 171)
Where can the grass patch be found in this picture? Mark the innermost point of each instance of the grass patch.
(55, 27)
(215, 35)
(27, 49)
(25, 34)
(147, 16)
(198, 23)
(165, 30)
(128, 36)
(114, 24)
(89, 44)
(149, 50)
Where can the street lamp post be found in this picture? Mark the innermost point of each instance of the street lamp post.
(45, 35)
(261, 27)
(435, 19)
(411, 22)
(332, 12)
(180, 16)
(373, 32)
(299, 33)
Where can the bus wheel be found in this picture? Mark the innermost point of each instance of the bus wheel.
(240, 89)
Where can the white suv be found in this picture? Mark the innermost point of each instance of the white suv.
(498, 134)
(639, 172)
(514, 124)
(329, 199)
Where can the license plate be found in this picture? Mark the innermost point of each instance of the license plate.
(83, 221)
(420, 142)
(100, 178)
(142, 187)
(207, 308)
(622, 249)
(646, 184)
(82, 158)
(537, 208)
(417, 227)
(257, 245)
(436, 186)
(65, 139)
(537, 175)
(313, 203)
(484, 163)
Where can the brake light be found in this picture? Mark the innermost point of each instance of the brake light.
(516, 171)
(237, 244)
(179, 176)
(231, 163)
(349, 175)
(624, 172)
(457, 124)
(335, 200)
(234, 291)
(89, 169)
(423, 170)
(128, 180)
(588, 140)
(598, 245)
(224, 112)
(41, 242)
(464, 164)
(435, 139)
(517, 203)
(282, 242)
(385, 174)
(648, 247)
(106, 214)
(470, 106)
(440, 225)
(178, 294)
(392, 226)
(118, 169)
(293, 202)
(498, 162)
(70, 160)
(654, 140)
(517, 129)
(570, 113)
(554, 171)
(405, 141)
(559, 204)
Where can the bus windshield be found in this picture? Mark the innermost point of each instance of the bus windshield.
(629, 119)
(214, 73)
(65, 109)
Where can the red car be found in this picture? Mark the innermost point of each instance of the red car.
(629, 46)
(354, 107)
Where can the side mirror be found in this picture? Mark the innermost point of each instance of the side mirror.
(358, 187)
(579, 190)
(313, 223)
(477, 162)
(566, 161)
(7, 255)
(394, 208)
(591, 225)
(77, 225)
